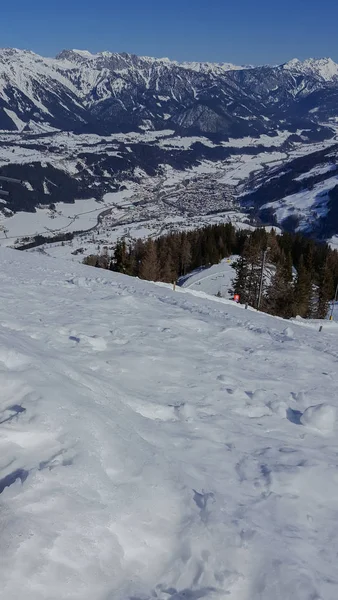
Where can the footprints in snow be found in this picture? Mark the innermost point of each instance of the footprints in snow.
(263, 403)
(97, 343)
(254, 404)
(25, 450)
(10, 413)
(294, 416)
(7, 415)
(11, 478)
(320, 417)
(58, 459)
(257, 404)
(202, 501)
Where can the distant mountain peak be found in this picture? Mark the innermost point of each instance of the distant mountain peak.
(75, 55)
(82, 56)
(209, 66)
(108, 92)
(325, 68)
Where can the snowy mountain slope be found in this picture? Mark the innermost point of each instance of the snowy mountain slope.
(324, 68)
(161, 444)
(32, 90)
(300, 195)
(109, 92)
(304, 208)
(216, 68)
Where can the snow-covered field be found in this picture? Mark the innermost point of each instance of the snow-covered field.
(66, 218)
(161, 444)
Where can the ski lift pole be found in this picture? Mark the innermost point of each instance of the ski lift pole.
(262, 278)
(333, 303)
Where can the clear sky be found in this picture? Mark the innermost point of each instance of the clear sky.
(238, 31)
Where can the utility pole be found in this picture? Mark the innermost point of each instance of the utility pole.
(333, 303)
(262, 279)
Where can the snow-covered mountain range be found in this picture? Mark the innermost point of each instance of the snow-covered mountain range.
(322, 68)
(109, 92)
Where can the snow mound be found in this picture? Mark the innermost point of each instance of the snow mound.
(321, 417)
(288, 333)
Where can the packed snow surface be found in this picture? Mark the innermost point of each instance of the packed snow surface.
(214, 280)
(161, 444)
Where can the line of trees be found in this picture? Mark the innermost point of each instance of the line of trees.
(299, 277)
(170, 256)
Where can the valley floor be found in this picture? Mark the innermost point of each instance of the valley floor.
(160, 444)
(203, 193)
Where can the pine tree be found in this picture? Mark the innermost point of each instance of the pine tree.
(325, 291)
(303, 290)
(90, 260)
(168, 271)
(313, 301)
(288, 265)
(279, 299)
(185, 255)
(275, 252)
(103, 260)
(149, 267)
(240, 281)
(255, 258)
(119, 261)
(248, 272)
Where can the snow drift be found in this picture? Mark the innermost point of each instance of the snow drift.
(153, 445)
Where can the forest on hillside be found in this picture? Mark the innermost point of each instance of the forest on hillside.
(283, 274)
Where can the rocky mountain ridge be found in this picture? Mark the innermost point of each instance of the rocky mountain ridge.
(109, 92)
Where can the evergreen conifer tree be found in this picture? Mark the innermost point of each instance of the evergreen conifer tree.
(185, 255)
(325, 291)
(279, 300)
(303, 290)
(149, 267)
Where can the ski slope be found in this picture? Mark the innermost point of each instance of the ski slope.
(214, 280)
(161, 444)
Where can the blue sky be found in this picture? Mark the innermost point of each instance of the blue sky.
(238, 31)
